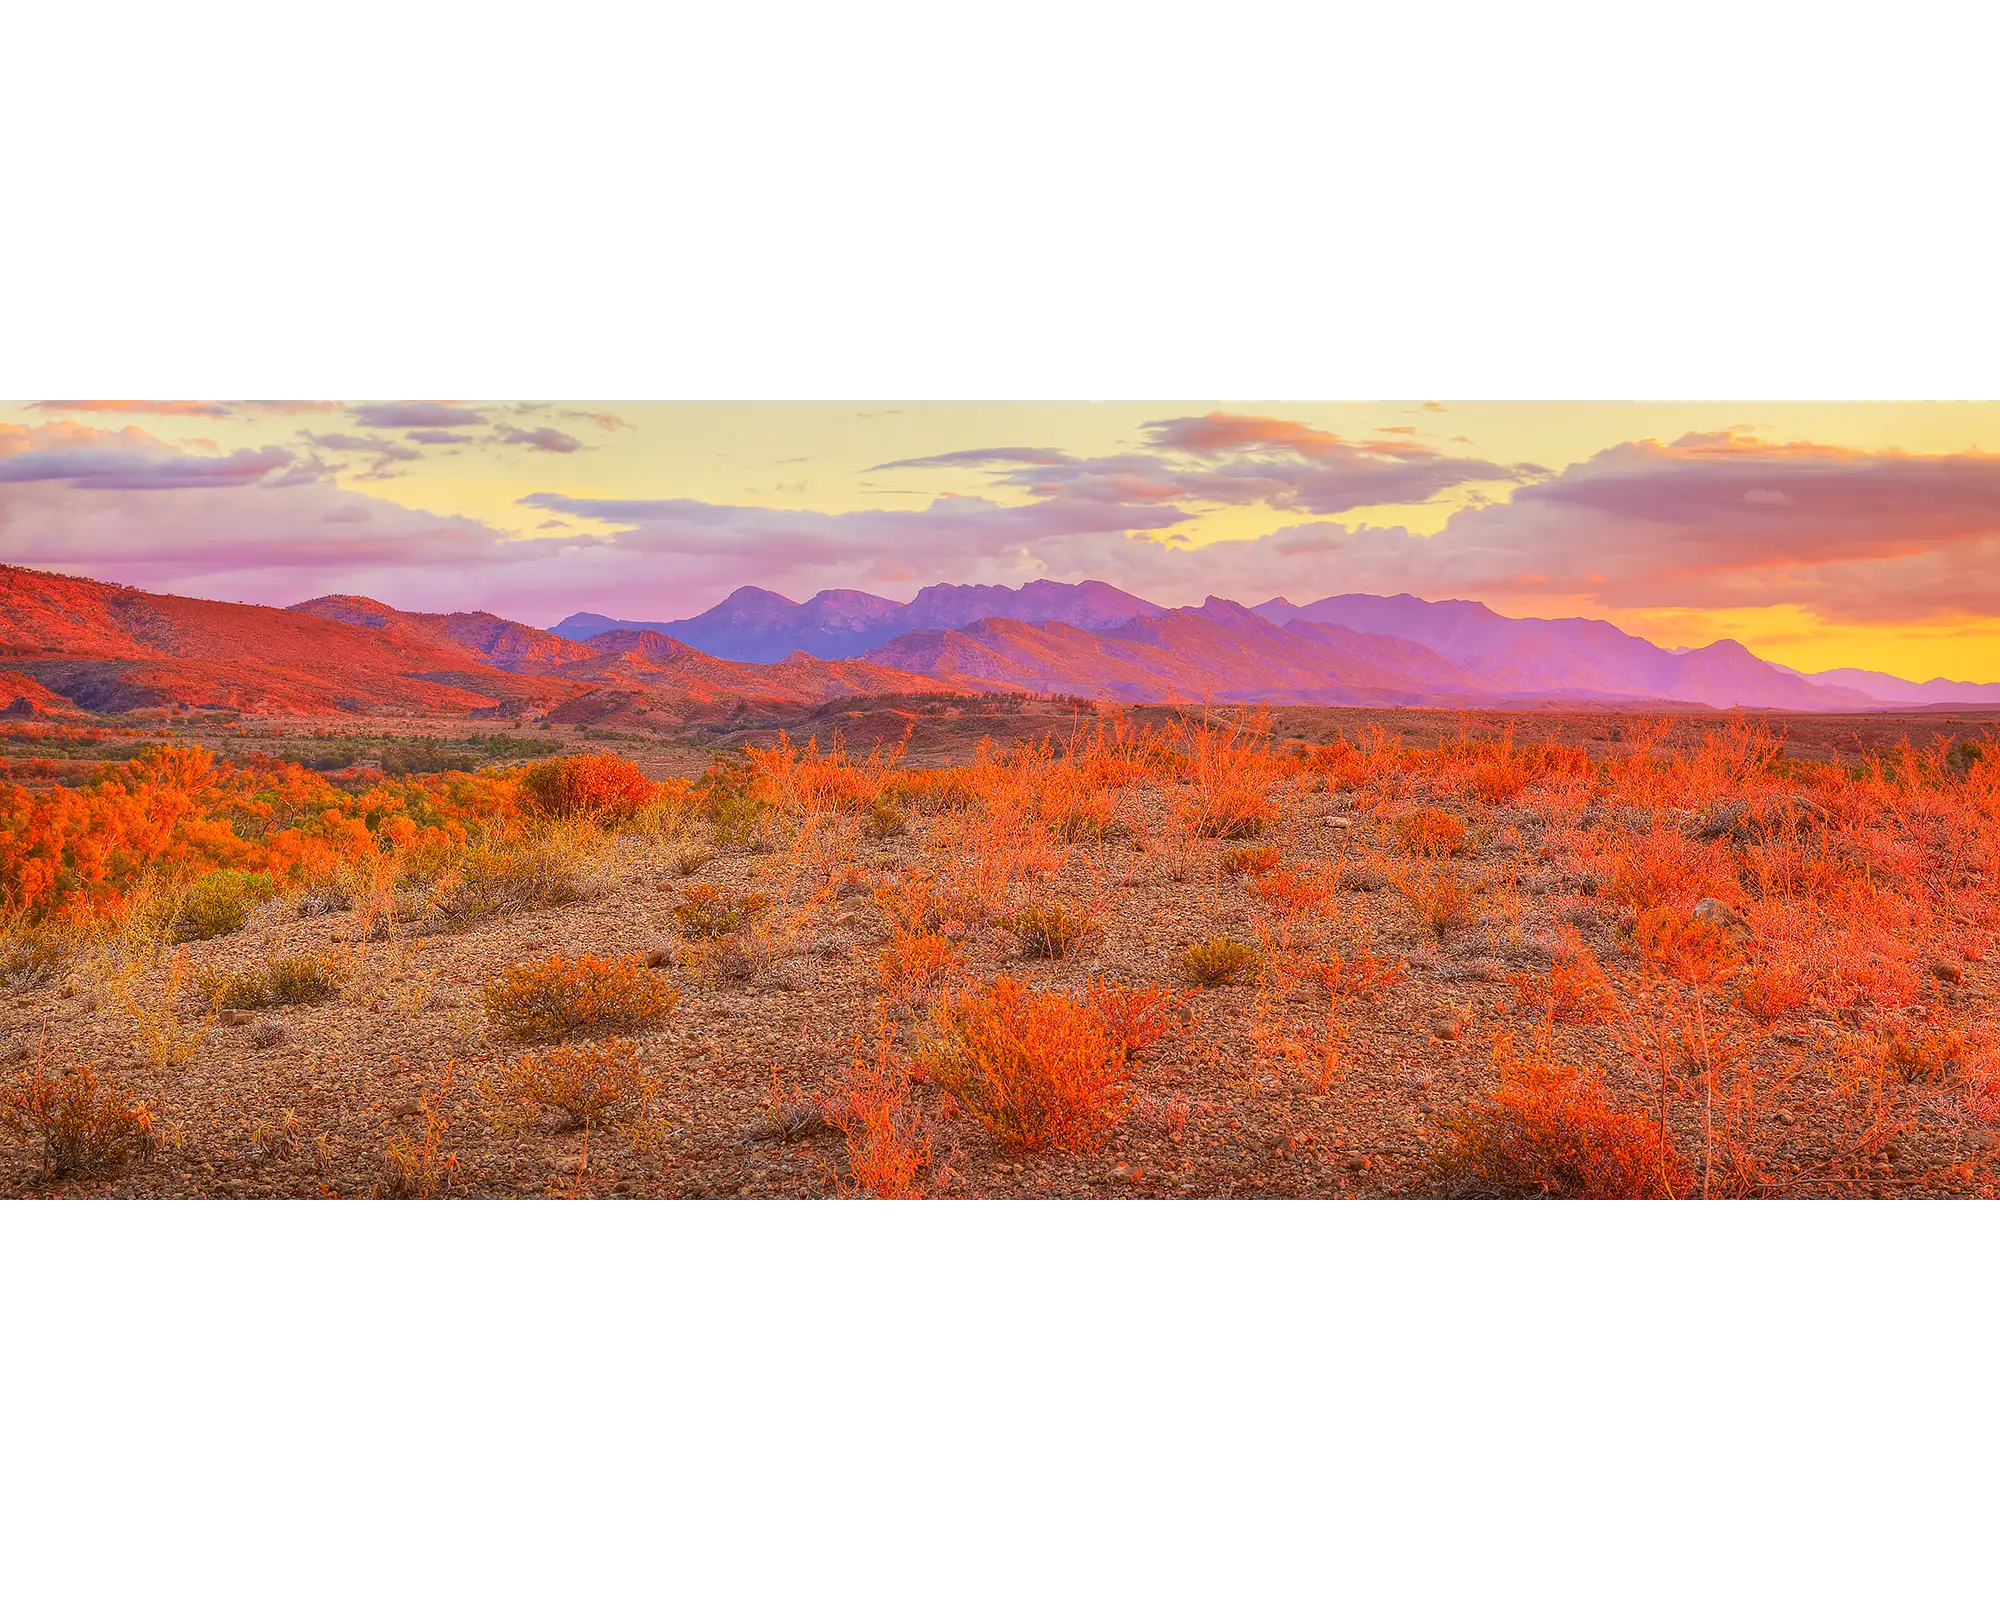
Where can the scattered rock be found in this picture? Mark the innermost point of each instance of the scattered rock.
(1947, 972)
(239, 1019)
(659, 958)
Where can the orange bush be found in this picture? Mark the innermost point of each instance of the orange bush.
(606, 789)
(560, 998)
(1772, 992)
(82, 1123)
(1364, 972)
(888, 1150)
(1037, 1066)
(1663, 868)
(1290, 891)
(913, 960)
(583, 1083)
(178, 813)
(1552, 1130)
(1573, 990)
(1431, 833)
(1137, 1019)
(1685, 946)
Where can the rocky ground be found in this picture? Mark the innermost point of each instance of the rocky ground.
(1260, 1090)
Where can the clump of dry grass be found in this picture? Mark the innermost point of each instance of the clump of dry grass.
(583, 1084)
(169, 1039)
(82, 1123)
(1054, 930)
(884, 819)
(1250, 860)
(707, 912)
(1214, 962)
(1444, 899)
(1923, 1052)
(32, 958)
(914, 960)
(420, 1168)
(554, 865)
(1037, 1066)
(301, 980)
(561, 998)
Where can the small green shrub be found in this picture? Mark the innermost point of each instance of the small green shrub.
(884, 819)
(1054, 930)
(219, 903)
(1214, 962)
(304, 980)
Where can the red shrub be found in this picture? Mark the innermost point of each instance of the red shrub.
(1551, 1130)
(603, 788)
(1037, 1066)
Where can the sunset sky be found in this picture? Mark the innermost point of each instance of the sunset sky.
(1820, 535)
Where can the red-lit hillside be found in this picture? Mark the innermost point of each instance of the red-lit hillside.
(110, 648)
(648, 678)
(513, 646)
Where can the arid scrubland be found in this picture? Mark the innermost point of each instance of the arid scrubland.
(1167, 958)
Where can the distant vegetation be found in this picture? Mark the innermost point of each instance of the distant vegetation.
(401, 755)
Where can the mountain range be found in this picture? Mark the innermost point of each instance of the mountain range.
(75, 644)
(1417, 652)
(837, 624)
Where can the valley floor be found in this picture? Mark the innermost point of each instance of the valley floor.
(1466, 971)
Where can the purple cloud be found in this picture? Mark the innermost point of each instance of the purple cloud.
(436, 436)
(137, 408)
(96, 468)
(1011, 455)
(416, 414)
(552, 440)
(1224, 459)
(385, 449)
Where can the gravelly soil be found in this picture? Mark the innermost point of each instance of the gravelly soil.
(1224, 1107)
